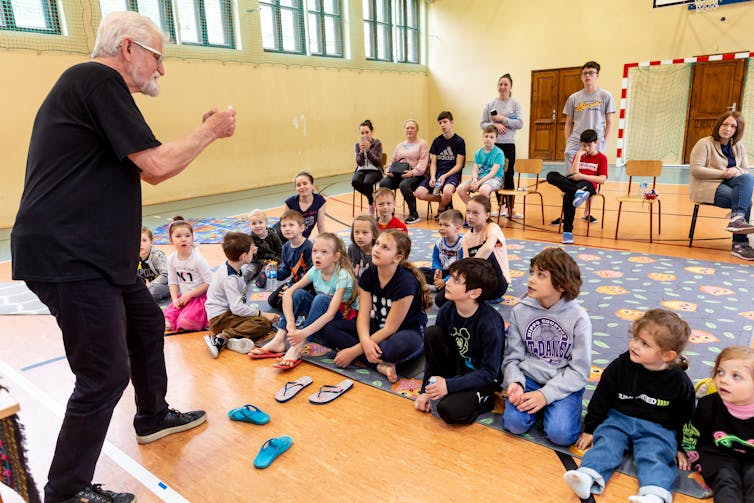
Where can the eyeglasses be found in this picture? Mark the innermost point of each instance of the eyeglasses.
(591, 72)
(155, 53)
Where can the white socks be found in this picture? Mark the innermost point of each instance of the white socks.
(646, 498)
(580, 482)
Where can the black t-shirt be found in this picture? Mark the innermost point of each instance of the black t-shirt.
(80, 212)
(447, 150)
(403, 284)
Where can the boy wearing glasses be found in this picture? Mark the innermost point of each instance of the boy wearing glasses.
(590, 108)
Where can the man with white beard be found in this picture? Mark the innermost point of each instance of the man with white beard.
(76, 241)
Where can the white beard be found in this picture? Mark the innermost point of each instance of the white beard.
(150, 87)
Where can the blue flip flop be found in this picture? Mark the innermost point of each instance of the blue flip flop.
(249, 414)
(270, 450)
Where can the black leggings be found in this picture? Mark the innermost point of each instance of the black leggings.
(364, 180)
(509, 149)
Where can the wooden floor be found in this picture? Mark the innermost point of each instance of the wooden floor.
(366, 446)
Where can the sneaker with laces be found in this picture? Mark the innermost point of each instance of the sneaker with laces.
(590, 218)
(215, 344)
(567, 238)
(174, 422)
(743, 251)
(412, 219)
(556, 221)
(738, 225)
(579, 197)
(95, 494)
(240, 345)
(517, 216)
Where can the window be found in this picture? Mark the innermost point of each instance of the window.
(200, 22)
(391, 30)
(40, 16)
(325, 28)
(282, 25)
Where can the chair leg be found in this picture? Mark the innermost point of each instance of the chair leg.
(541, 207)
(589, 212)
(659, 217)
(693, 224)
(617, 222)
(603, 212)
(650, 222)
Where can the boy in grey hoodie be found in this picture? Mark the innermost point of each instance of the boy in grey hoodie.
(548, 351)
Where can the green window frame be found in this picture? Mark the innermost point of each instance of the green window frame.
(30, 16)
(378, 40)
(406, 31)
(282, 26)
(325, 23)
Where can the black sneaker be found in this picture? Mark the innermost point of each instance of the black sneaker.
(412, 219)
(215, 344)
(590, 218)
(174, 422)
(95, 494)
(743, 251)
(556, 221)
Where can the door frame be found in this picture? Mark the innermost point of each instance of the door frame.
(620, 159)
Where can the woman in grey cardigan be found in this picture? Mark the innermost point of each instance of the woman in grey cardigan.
(720, 176)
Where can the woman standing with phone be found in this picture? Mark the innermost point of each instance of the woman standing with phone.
(506, 115)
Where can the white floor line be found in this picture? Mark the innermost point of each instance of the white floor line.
(137, 471)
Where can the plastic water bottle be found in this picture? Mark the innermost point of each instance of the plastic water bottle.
(643, 187)
(272, 276)
(436, 191)
(432, 380)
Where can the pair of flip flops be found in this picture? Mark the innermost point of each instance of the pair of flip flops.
(249, 414)
(326, 393)
(282, 363)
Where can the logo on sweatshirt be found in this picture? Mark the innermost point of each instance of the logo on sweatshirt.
(548, 341)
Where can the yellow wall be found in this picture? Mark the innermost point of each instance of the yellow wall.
(473, 42)
(292, 115)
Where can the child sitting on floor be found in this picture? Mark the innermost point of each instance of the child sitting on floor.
(548, 351)
(464, 347)
(485, 239)
(393, 299)
(448, 248)
(233, 322)
(189, 277)
(384, 202)
(296, 256)
(718, 441)
(642, 401)
(335, 298)
(364, 233)
(267, 243)
(153, 266)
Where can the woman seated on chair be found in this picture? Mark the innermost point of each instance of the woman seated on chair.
(368, 163)
(720, 176)
(412, 154)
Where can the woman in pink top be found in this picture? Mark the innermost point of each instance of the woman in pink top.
(415, 152)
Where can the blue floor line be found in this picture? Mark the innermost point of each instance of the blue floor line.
(43, 363)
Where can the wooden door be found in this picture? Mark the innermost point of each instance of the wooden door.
(549, 91)
(716, 86)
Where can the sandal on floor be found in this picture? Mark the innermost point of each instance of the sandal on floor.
(284, 364)
(270, 450)
(260, 353)
(292, 388)
(249, 414)
(327, 393)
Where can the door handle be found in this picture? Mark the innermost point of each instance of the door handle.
(733, 107)
(555, 115)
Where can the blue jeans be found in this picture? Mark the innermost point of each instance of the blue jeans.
(562, 418)
(311, 306)
(402, 346)
(655, 448)
(735, 193)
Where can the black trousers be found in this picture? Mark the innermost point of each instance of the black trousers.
(731, 479)
(509, 149)
(364, 180)
(443, 360)
(110, 333)
(407, 187)
(569, 188)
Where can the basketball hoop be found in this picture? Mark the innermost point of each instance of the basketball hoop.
(705, 5)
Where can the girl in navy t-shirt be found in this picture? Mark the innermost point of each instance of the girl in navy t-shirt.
(310, 204)
(393, 299)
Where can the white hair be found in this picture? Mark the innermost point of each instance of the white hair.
(123, 24)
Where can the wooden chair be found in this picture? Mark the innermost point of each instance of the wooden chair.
(643, 169)
(588, 211)
(529, 166)
(361, 196)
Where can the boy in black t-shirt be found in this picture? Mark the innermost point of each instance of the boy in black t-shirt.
(447, 156)
(464, 348)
